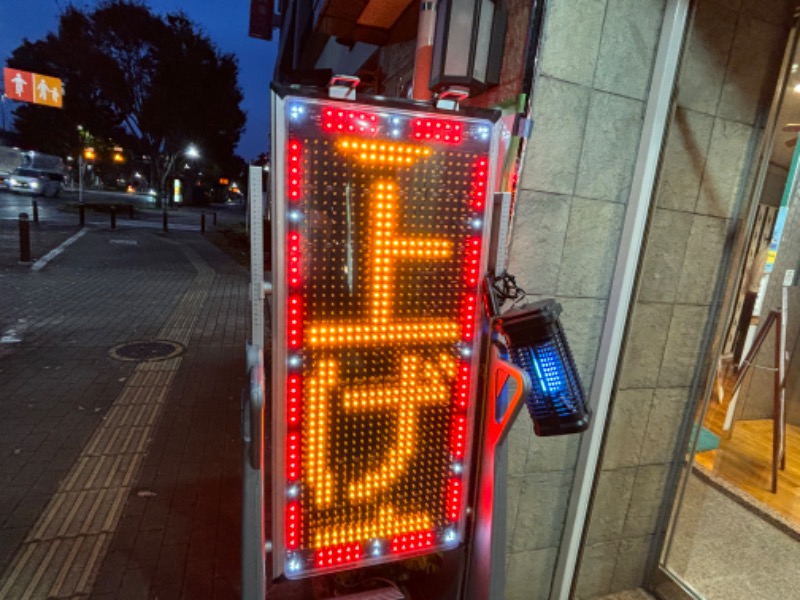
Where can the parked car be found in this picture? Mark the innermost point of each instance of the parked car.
(11, 159)
(38, 183)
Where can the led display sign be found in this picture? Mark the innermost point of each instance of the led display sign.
(380, 224)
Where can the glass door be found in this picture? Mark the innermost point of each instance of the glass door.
(734, 530)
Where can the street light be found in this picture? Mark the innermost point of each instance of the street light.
(191, 152)
(87, 155)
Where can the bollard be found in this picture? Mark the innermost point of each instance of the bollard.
(35, 211)
(130, 211)
(24, 238)
(166, 221)
(215, 218)
(202, 222)
(82, 211)
(113, 217)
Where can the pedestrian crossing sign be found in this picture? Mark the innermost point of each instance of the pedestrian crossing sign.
(25, 86)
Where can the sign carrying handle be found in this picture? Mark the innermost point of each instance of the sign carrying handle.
(484, 574)
(502, 409)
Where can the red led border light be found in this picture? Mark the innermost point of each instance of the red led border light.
(293, 456)
(468, 308)
(454, 497)
(294, 399)
(472, 262)
(294, 170)
(458, 436)
(480, 175)
(294, 324)
(293, 525)
(411, 542)
(336, 120)
(472, 255)
(293, 259)
(338, 555)
(437, 130)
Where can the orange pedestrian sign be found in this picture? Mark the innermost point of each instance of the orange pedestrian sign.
(33, 87)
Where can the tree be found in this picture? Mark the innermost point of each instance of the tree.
(153, 84)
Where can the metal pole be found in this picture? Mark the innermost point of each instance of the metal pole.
(24, 238)
(215, 218)
(424, 53)
(80, 184)
(202, 222)
(113, 217)
(777, 409)
(166, 220)
(35, 211)
(82, 212)
(254, 545)
(788, 280)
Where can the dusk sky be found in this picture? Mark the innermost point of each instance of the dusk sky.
(226, 23)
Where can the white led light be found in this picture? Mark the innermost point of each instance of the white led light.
(466, 351)
(396, 120)
(483, 133)
(293, 566)
(376, 549)
(296, 110)
(294, 361)
(294, 216)
(457, 468)
(450, 536)
(396, 132)
(476, 223)
(293, 491)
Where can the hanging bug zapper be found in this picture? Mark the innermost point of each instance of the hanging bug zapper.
(537, 344)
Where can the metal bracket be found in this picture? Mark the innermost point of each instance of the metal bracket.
(343, 87)
(449, 98)
(253, 408)
(522, 126)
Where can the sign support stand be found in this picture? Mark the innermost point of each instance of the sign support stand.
(253, 534)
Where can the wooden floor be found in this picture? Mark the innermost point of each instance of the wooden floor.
(744, 459)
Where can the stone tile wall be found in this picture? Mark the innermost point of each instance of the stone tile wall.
(725, 83)
(588, 106)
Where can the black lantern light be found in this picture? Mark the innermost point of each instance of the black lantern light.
(468, 45)
(537, 344)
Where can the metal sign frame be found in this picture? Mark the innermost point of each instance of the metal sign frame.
(291, 562)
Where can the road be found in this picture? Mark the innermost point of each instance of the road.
(12, 204)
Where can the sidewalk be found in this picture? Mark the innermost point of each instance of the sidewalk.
(121, 479)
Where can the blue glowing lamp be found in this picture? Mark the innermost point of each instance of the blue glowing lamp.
(537, 344)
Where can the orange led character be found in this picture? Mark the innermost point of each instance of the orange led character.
(387, 247)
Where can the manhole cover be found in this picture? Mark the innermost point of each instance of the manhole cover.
(145, 351)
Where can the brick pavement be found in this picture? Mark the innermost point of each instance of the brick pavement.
(121, 479)
(44, 237)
